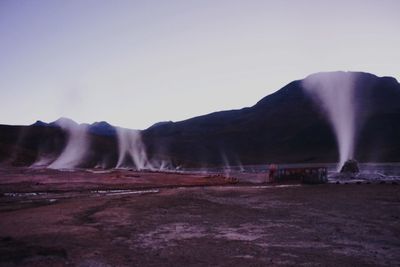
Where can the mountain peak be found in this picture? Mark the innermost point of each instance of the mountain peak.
(102, 128)
(64, 121)
(101, 124)
(40, 123)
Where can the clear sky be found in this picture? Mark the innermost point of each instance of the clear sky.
(134, 63)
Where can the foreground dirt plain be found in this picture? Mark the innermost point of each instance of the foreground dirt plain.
(52, 218)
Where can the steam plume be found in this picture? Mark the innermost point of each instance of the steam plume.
(335, 93)
(131, 148)
(76, 148)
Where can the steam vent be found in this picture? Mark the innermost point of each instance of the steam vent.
(350, 166)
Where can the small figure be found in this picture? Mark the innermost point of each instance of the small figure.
(271, 172)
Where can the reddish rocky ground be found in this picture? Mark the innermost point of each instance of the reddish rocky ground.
(122, 218)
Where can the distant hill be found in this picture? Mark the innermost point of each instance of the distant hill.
(102, 128)
(25, 145)
(286, 126)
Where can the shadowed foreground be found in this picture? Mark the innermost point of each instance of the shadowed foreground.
(328, 225)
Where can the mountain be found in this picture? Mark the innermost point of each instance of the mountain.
(63, 122)
(25, 145)
(286, 126)
(102, 128)
(40, 123)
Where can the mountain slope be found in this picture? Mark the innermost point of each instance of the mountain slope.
(286, 126)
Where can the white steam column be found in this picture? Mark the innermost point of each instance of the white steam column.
(334, 92)
(76, 148)
(130, 145)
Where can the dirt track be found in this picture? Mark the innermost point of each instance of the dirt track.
(324, 225)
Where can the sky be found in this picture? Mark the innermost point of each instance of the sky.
(135, 63)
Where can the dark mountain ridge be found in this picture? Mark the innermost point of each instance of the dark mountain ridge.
(286, 126)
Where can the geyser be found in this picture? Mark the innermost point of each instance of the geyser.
(350, 166)
(335, 93)
(76, 148)
(131, 148)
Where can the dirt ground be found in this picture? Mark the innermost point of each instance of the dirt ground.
(83, 219)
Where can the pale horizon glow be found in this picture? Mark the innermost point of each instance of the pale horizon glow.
(135, 63)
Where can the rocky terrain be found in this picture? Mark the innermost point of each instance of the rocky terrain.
(51, 218)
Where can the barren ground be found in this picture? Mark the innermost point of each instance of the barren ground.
(50, 218)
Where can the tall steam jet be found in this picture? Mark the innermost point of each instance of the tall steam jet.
(131, 148)
(76, 148)
(335, 93)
